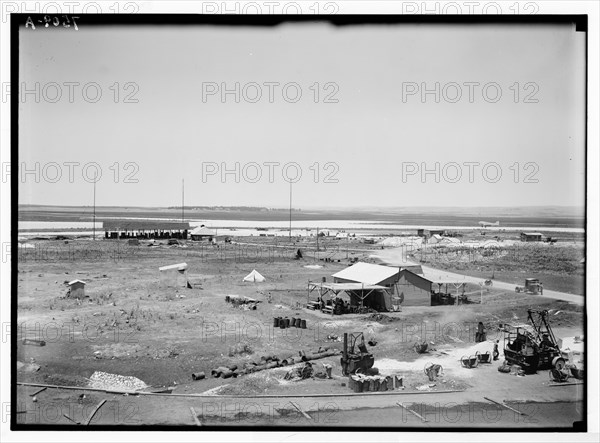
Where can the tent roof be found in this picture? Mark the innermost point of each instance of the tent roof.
(254, 276)
(430, 278)
(178, 266)
(203, 230)
(367, 273)
(347, 286)
(76, 281)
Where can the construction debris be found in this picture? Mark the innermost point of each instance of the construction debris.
(245, 303)
(433, 371)
(107, 381)
(30, 341)
(27, 367)
(274, 361)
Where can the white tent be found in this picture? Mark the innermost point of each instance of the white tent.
(254, 276)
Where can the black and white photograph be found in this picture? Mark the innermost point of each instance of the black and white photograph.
(349, 218)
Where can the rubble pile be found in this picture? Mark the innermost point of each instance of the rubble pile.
(105, 380)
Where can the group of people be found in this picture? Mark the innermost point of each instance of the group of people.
(340, 306)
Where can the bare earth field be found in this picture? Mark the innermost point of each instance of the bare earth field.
(132, 322)
(559, 266)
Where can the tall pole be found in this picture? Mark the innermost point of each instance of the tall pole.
(182, 199)
(290, 210)
(94, 229)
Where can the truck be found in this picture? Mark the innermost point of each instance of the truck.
(532, 286)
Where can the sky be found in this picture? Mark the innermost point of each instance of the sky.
(361, 133)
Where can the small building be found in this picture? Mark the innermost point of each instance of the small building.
(202, 233)
(448, 241)
(76, 289)
(174, 275)
(426, 233)
(531, 236)
(435, 239)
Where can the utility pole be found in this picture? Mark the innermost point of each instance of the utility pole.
(94, 228)
(347, 244)
(182, 199)
(290, 211)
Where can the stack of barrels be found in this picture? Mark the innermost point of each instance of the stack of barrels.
(284, 323)
(374, 383)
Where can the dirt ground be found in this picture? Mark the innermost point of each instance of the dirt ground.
(558, 265)
(135, 322)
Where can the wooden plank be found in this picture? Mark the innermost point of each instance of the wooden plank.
(308, 417)
(195, 416)
(87, 422)
(565, 384)
(505, 405)
(37, 392)
(412, 412)
(70, 419)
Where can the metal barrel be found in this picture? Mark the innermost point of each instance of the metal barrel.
(198, 375)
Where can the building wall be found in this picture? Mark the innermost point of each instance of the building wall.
(77, 290)
(415, 290)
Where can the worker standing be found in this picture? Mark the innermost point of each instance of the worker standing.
(496, 352)
(480, 335)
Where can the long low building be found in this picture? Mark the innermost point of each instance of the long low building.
(151, 229)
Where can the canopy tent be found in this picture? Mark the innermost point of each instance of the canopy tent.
(254, 276)
(374, 296)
